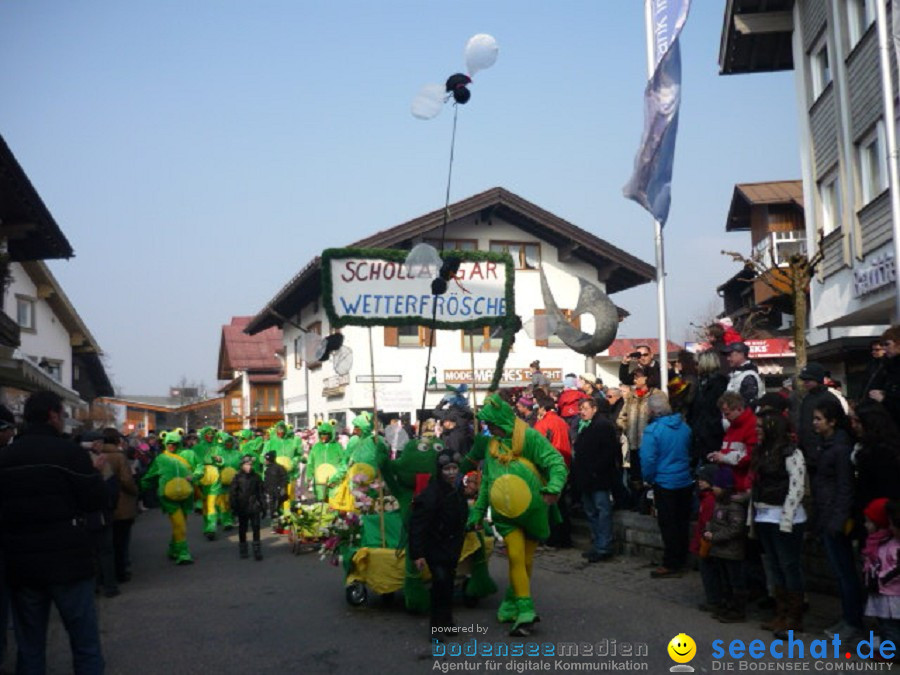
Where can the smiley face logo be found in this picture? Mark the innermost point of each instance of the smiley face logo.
(682, 648)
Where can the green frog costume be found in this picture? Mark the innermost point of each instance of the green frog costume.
(207, 475)
(521, 473)
(284, 444)
(362, 464)
(231, 464)
(173, 474)
(324, 461)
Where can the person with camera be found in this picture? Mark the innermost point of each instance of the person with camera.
(641, 358)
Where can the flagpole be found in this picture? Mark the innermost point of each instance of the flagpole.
(890, 128)
(663, 351)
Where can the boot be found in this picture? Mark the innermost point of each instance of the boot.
(737, 609)
(226, 520)
(182, 555)
(209, 526)
(243, 549)
(793, 614)
(526, 617)
(777, 622)
(257, 550)
(508, 610)
(171, 551)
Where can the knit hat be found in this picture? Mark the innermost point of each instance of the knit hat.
(724, 478)
(570, 381)
(526, 401)
(589, 377)
(813, 371)
(247, 459)
(876, 511)
(270, 456)
(446, 455)
(707, 473)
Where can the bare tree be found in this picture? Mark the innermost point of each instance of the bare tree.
(792, 279)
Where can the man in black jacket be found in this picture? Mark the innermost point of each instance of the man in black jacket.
(47, 485)
(596, 468)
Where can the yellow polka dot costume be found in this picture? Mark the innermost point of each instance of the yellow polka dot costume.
(520, 467)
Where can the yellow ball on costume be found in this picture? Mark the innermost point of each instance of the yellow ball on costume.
(510, 496)
(228, 475)
(285, 462)
(324, 472)
(361, 468)
(210, 475)
(177, 490)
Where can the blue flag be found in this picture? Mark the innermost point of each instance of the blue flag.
(651, 183)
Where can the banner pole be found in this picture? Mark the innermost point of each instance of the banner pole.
(372, 371)
(663, 351)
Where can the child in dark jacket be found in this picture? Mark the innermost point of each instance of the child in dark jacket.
(727, 533)
(275, 482)
(248, 504)
(436, 532)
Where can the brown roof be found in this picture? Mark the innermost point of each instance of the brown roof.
(748, 195)
(756, 37)
(240, 351)
(627, 271)
(623, 346)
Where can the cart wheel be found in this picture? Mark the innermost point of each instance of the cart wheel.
(470, 601)
(356, 594)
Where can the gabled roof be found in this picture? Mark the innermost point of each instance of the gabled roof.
(625, 270)
(255, 353)
(772, 193)
(30, 230)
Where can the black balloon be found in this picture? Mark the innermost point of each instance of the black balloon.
(456, 85)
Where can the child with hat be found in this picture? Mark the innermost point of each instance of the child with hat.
(436, 532)
(275, 483)
(248, 504)
(881, 562)
(727, 533)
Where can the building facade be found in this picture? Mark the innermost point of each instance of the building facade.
(832, 47)
(390, 365)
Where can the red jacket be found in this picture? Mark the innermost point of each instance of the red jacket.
(568, 402)
(737, 445)
(554, 428)
(707, 505)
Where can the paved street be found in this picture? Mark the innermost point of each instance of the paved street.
(288, 614)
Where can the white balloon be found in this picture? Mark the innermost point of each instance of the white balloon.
(429, 101)
(480, 52)
(423, 260)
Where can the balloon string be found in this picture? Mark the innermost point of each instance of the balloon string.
(443, 239)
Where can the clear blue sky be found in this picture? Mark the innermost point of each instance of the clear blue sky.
(198, 154)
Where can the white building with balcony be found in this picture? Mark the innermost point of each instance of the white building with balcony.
(389, 363)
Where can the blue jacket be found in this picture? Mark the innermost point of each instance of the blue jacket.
(666, 451)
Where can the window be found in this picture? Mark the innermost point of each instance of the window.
(820, 68)
(525, 255)
(872, 157)
(454, 244)
(25, 312)
(52, 367)
(235, 406)
(483, 339)
(832, 205)
(316, 329)
(407, 336)
(267, 399)
(781, 246)
(860, 15)
(552, 340)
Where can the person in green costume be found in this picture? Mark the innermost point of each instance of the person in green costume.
(231, 464)
(249, 444)
(207, 475)
(362, 465)
(522, 476)
(173, 474)
(284, 444)
(323, 462)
